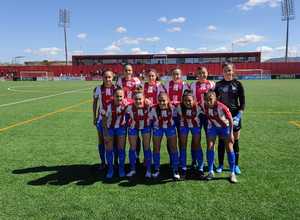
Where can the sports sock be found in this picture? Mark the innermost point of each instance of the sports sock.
(175, 160)
(109, 158)
(147, 156)
(236, 149)
(132, 159)
(121, 153)
(231, 160)
(199, 156)
(156, 160)
(210, 160)
(183, 157)
(101, 151)
(221, 151)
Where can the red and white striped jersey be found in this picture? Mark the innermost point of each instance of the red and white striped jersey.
(129, 86)
(139, 117)
(162, 118)
(175, 91)
(105, 96)
(218, 116)
(189, 117)
(199, 89)
(115, 115)
(151, 91)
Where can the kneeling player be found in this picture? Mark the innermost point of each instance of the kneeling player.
(139, 122)
(163, 123)
(114, 125)
(220, 124)
(188, 112)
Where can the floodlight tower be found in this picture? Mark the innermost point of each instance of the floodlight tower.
(64, 21)
(288, 13)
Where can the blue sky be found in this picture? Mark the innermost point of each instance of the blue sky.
(30, 28)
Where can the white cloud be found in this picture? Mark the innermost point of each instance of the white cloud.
(174, 29)
(121, 29)
(77, 52)
(82, 36)
(45, 51)
(163, 20)
(178, 20)
(28, 50)
(138, 50)
(265, 49)
(135, 40)
(249, 4)
(248, 39)
(112, 48)
(172, 50)
(220, 49)
(211, 28)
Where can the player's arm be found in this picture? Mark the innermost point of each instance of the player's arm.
(230, 119)
(95, 107)
(241, 99)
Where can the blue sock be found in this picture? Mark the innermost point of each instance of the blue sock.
(109, 158)
(183, 157)
(116, 154)
(210, 159)
(156, 160)
(199, 156)
(231, 160)
(147, 156)
(101, 151)
(132, 159)
(175, 161)
(194, 157)
(121, 153)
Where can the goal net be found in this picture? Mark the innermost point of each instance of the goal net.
(253, 73)
(36, 75)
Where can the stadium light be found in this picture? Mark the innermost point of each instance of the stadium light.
(288, 13)
(64, 21)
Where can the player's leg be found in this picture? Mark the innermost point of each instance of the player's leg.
(146, 136)
(230, 155)
(172, 141)
(210, 153)
(108, 140)
(121, 142)
(236, 148)
(101, 148)
(183, 136)
(132, 137)
(196, 145)
(157, 137)
(221, 154)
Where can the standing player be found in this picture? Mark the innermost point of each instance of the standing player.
(103, 95)
(188, 112)
(220, 124)
(130, 84)
(153, 88)
(175, 88)
(200, 88)
(163, 123)
(114, 125)
(139, 122)
(231, 92)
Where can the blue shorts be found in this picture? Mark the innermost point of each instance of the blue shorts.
(194, 131)
(203, 122)
(216, 131)
(176, 121)
(117, 131)
(135, 131)
(99, 126)
(158, 132)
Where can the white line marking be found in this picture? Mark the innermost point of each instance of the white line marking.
(42, 97)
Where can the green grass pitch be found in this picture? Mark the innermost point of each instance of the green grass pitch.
(48, 152)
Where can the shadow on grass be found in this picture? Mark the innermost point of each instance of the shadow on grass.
(86, 174)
